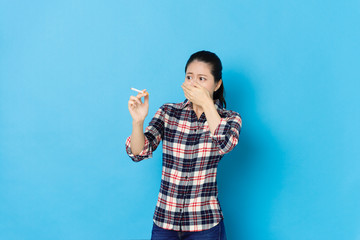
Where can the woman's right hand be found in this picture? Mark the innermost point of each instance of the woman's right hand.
(138, 109)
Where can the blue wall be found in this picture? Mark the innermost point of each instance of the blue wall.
(291, 68)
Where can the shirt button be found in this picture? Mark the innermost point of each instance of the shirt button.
(186, 177)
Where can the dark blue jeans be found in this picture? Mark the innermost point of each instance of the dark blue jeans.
(214, 233)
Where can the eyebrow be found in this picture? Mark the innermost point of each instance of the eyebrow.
(199, 74)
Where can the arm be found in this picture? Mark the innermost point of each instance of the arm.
(138, 111)
(223, 130)
(147, 142)
(137, 138)
(212, 116)
(226, 135)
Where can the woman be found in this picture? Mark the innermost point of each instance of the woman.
(196, 134)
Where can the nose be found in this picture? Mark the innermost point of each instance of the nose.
(191, 81)
(195, 80)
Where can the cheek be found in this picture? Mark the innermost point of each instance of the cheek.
(210, 90)
(209, 87)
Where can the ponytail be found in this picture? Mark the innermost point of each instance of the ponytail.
(220, 94)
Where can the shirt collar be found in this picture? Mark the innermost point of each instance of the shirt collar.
(218, 104)
(185, 103)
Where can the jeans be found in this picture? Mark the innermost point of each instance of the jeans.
(215, 233)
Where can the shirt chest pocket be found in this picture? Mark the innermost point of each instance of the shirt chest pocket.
(206, 148)
(205, 140)
(177, 133)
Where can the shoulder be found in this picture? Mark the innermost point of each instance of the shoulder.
(169, 107)
(169, 110)
(232, 117)
(229, 113)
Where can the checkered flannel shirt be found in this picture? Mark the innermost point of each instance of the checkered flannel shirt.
(188, 197)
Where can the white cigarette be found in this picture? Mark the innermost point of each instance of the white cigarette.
(136, 90)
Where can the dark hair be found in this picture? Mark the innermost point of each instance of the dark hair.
(216, 70)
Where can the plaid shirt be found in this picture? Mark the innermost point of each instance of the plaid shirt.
(188, 200)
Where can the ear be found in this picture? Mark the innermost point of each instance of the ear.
(218, 85)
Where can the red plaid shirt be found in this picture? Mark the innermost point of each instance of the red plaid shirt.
(188, 196)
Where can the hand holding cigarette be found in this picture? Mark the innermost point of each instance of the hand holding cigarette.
(137, 108)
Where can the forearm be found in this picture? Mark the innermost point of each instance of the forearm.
(137, 137)
(212, 116)
(226, 132)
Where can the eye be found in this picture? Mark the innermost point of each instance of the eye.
(202, 79)
(188, 77)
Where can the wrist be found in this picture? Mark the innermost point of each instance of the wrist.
(138, 123)
(208, 104)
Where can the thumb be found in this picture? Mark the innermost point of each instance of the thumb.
(146, 98)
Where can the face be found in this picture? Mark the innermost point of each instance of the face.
(200, 72)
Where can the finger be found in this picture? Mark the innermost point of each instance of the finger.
(140, 95)
(132, 104)
(189, 90)
(137, 99)
(186, 88)
(187, 94)
(186, 85)
(144, 92)
(188, 98)
(146, 99)
(133, 101)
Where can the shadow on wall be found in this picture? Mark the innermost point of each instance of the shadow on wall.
(249, 177)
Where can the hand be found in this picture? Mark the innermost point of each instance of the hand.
(196, 94)
(138, 109)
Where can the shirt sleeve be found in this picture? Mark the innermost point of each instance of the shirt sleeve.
(153, 135)
(226, 135)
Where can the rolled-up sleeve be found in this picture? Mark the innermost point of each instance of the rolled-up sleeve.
(226, 135)
(153, 135)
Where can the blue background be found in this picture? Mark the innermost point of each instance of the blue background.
(291, 69)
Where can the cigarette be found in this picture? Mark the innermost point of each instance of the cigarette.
(137, 90)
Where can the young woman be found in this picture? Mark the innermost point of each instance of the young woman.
(195, 135)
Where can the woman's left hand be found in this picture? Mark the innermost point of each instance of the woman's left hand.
(196, 94)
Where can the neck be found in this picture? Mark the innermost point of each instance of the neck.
(198, 110)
